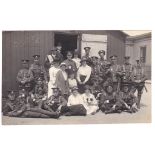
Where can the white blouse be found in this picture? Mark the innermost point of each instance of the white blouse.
(74, 100)
(52, 73)
(84, 70)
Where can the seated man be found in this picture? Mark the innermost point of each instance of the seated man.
(128, 99)
(55, 102)
(10, 103)
(75, 105)
(21, 104)
(108, 102)
(38, 98)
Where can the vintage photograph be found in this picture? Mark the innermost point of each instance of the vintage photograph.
(76, 77)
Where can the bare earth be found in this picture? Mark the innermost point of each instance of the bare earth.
(142, 116)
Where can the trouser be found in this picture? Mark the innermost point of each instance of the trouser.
(139, 87)
(74, 110)
(107, 107)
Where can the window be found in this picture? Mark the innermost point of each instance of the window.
(143, 53)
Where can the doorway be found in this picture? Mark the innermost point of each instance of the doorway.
(68, 42)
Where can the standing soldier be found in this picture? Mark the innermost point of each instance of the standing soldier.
(49, 59)
(127, 70)
(104, 67)
(116, 72)
(25, 76)
(139, 79)
(37, 69)
(87, 55)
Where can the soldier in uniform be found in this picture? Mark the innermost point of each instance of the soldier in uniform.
(36, 68)
(55, 102)
(95, 79)
(25, 76)
(70, 64)
(115, 70)
(38, 98)
(127, 99)
(21, 104)
(138, 79)
(87, 56)
(10, 102)
(127, 70)
(108, 101)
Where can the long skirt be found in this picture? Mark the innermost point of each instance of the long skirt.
(74, 110)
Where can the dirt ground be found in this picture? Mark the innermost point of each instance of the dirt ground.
(142, 116)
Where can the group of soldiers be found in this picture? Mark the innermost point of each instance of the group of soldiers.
(113, 85)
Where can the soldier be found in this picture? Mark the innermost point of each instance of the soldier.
(108, 102)
(21, 104)
(10, 102)
(55, 102)
(127, 99)
(139, 78)
(37, 69)
(38, 98)
(70, 64)
(25, 76)
(127, 70)
(49, 59)
(58, 52)
(87, 56)
(115, 70)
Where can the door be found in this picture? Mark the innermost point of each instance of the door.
(96, 42)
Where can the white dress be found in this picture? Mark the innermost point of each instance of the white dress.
(51, 84)
(75, 100)
(90, 102)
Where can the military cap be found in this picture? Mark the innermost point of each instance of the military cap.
(127, 57)
(24, 61)
(94, 57)
(36, 56)
(113, 57)
(63, 64)
(74, 88)
(101, 51)
(55, 88)
(83, 59)
(87, 48)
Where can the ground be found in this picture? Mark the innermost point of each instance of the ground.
(142, 116)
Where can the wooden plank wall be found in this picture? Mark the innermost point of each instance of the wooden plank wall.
(17, 45)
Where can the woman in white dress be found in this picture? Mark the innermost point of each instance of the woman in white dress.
(75, 104)
(52, 77)
(83, 75)
(90, 101)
